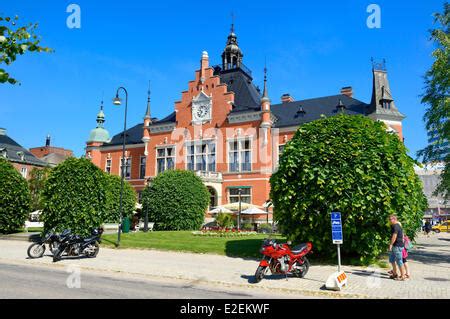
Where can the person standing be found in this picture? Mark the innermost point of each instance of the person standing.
(427, 228)
(396, 247)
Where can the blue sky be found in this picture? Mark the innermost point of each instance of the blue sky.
(313, 48)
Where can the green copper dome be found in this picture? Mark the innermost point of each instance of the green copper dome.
(99, 134)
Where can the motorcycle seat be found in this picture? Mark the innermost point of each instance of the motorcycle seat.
(299, 248)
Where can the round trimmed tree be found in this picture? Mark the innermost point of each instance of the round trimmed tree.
(176, 200)
(112, 212)
(15, 198)
(349, 164)
(74, 196)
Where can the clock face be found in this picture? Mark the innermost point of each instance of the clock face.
(202, 111)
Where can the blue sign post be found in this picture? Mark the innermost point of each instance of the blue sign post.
(336, 234)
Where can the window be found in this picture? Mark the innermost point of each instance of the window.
(165, 158)
(201, 156)
(24, 172)
(246, 196)
(240, 155)
(108, 166)
(142, 167)
(127, 169)
(280, 150)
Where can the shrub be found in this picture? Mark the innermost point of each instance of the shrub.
(176, 200)
(247, 226)
(353, 165)
(75, 196)
(265, 228)
(224, 220)
(15, 198)
(112, 212)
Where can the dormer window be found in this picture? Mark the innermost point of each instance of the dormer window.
(3, 152)
(300, 112)
(21, 155)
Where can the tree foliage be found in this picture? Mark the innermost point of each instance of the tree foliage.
(14, 41)
(14, 198)
(36, 184)
(112, 212)
(74, 196)
(437, 99)
(176, 200)
(353, 165)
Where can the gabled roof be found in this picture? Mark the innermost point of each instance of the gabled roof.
(14, 149)
(290, 114)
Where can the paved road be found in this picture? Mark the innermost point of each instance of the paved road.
(18, 281)
(205, 275)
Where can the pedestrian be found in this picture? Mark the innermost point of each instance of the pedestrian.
(396, 247)
(427, 228)
(408, 246)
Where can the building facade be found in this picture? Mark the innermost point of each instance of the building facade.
(22, 159)
(227, 131)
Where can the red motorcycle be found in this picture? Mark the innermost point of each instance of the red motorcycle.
(281, 259)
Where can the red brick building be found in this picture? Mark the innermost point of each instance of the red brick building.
(227, 131)
(51, 155)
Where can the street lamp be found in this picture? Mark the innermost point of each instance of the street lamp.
(240, 209)
(117, 101)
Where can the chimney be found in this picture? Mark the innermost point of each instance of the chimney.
(348, 90)
(287, 98)
(47, 140)
(2, 131)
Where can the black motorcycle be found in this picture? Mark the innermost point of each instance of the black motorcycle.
(51, 238)
(75, 245)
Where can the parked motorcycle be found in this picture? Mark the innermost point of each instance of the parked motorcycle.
(51, 238)
(75, 245)
(281, 259)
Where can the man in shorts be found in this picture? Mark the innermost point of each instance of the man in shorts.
(395, 248)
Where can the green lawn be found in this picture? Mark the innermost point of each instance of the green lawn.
(185, 241)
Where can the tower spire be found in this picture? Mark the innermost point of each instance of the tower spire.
(232, 22)
(265, 96)
(100, 116)
(147, 113)
(232, 54)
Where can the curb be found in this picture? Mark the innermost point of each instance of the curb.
(305, 292)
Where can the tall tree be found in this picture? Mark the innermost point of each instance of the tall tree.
(437, 99)
(16, 40)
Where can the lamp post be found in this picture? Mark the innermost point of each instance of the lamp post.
(118, 101)
(240, 209)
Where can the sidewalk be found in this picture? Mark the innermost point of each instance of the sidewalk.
(429, 262)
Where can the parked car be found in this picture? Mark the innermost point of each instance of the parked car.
(442, 227)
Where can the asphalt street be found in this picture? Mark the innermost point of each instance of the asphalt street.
(18, 281)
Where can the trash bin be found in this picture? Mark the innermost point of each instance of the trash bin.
(126, 225)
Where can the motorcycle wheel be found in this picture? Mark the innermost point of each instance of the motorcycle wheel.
(95, 253)
(260, 272)
(36, 250)
(303, 268)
